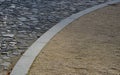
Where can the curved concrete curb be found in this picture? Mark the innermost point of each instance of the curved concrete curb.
(23, 65)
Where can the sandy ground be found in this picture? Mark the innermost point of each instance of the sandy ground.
(88, 46)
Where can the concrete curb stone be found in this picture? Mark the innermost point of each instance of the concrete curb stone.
(24, 63)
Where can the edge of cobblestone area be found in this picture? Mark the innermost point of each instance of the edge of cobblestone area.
(24, 63)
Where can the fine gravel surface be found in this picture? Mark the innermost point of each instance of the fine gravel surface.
(88, 46)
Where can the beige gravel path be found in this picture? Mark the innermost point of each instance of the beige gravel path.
(88, 46)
